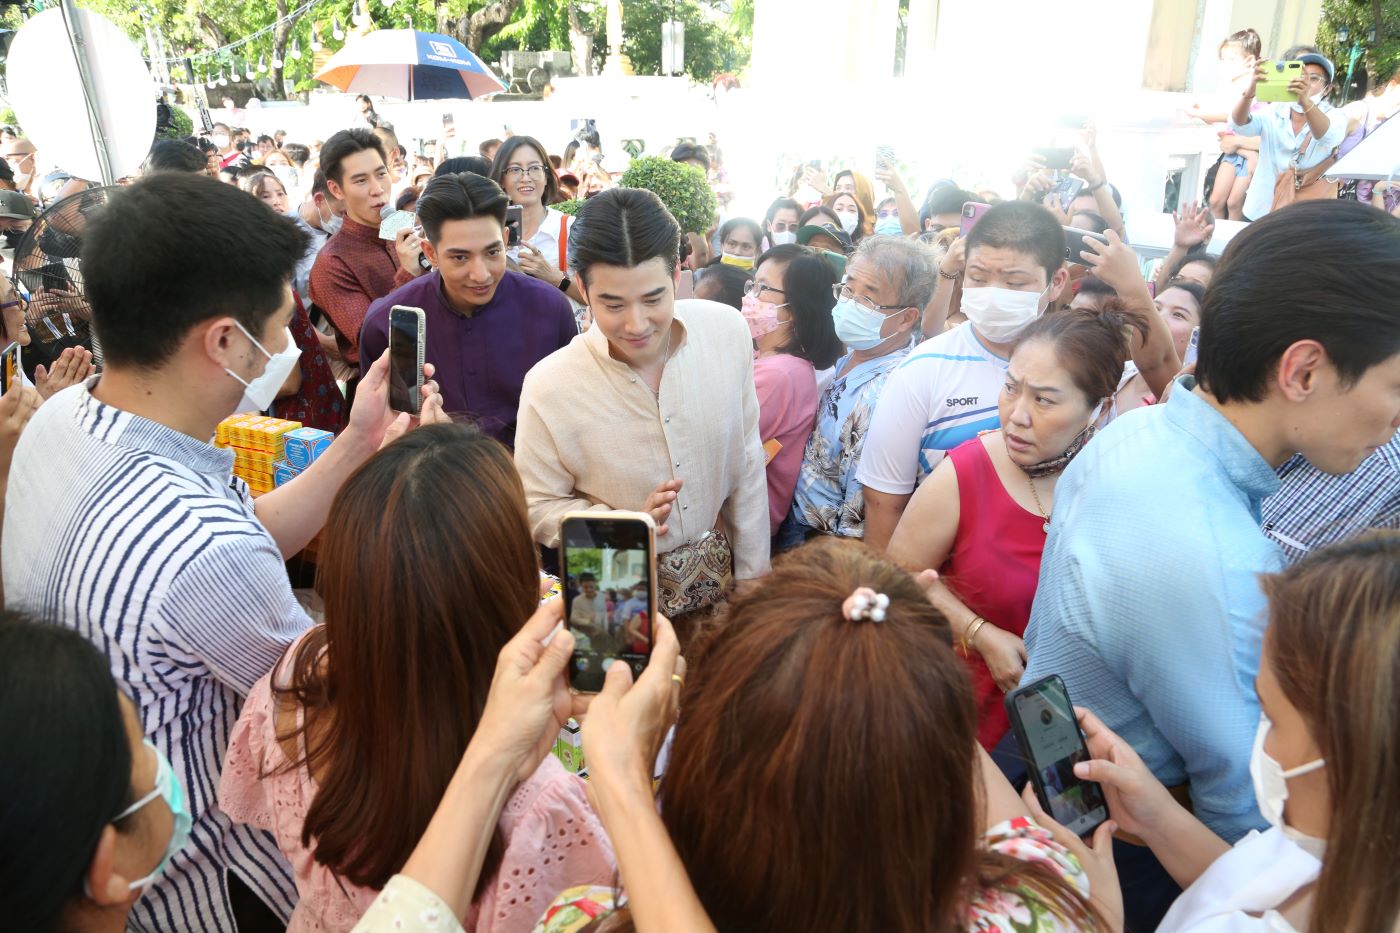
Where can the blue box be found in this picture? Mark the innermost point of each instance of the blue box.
(301, 447)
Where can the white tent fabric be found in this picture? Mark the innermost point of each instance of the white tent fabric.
(1375, 158)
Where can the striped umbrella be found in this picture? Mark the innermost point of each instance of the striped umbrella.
(410, 65)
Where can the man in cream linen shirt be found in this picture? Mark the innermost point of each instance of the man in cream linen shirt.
(653, 408)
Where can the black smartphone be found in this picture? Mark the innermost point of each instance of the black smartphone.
(1056, 158)
(1043, 721)
(609, 568)
(407, 330)
(514, 217)
(10, 368)
(1075, 247)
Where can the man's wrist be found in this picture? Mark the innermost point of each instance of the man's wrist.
(1090, 189)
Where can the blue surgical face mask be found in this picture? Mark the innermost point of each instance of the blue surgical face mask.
(858, 326)
(889, 226)
(168, 789)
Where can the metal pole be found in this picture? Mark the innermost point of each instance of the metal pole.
(79, 45)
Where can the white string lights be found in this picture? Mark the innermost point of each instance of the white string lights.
(219, 55)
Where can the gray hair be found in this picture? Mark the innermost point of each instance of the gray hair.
(909, 262)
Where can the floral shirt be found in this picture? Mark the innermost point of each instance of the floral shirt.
(828, 498)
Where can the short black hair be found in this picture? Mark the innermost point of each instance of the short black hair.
(172, 155)
(690, 152)
(1093, 285)
(344, 144)
(1024, 227)
(1088, 220)
(723, 283)
(6, 173)
(945, 200)
(807, 292)
(486, 144)
(1274, 288)
(1197, 293)
(781, 204)
(587, 577)
(624, 227)
(810, 215)
(1197, 254)
(734, 223)
(506, 152)
(264, 138)
(459, 197)
(455, 166)
(298, 153)
(155, 265)
(318, 184)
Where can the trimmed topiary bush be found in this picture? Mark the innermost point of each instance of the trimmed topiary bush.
(568, 207)
(684, 190)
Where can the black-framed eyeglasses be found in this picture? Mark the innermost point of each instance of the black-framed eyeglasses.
(843, 292)
(757, 289)
(534, 170)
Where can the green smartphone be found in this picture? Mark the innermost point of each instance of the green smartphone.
(1273, 87)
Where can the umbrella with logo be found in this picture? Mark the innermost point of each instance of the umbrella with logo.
(410, 65)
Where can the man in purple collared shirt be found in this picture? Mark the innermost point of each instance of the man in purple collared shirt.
(485, 325)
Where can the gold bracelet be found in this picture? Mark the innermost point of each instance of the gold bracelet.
(970, 633)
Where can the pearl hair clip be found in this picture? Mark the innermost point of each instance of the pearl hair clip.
(865, 603)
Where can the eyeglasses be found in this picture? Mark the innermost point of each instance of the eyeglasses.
(843, 292)
(756, 290)
(1316, 80)
(534, 170)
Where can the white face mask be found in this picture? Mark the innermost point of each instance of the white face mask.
(1000, 314)
(783, 238)
(849, 221)
(1271, 789)
(329, 224)
(259, 394)
(1316, 100)
(286, 174)
(220, 140)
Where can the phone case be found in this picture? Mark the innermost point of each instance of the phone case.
(415, 390)
(1024, 746)
(1273, 88)
(592, 681)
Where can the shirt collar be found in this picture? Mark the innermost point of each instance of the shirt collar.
(358, 231)
(1248, 470)
(123, 429)
(597, 343)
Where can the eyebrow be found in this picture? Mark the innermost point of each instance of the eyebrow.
(1013, 271)
(1043, 390)
(654, 293)
(462, 251)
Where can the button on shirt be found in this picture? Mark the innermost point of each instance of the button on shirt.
(593, 436)
(1312, 509)
(481, 359)
(1149, 604)
(139, 538)
(1278, 145)
(354, 269)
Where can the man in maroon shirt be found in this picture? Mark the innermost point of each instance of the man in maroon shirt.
(356, 267)
(486, 326)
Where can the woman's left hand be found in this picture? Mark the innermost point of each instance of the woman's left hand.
(1096, 858)
(533, 264)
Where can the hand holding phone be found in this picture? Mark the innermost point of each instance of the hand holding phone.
(1273, 79)
(602, 552)
(1075, 247)
(10, 369)
(515, 218)
(1193, 348)
(407, 334)
(1047, 731)
(972, 212)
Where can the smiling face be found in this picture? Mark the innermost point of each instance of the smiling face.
(1181, 314)
(471, 255)
(1041, 409)
(633, 307)
(364, 186)
(524, 176)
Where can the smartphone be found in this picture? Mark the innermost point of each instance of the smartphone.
(514, 217)
(1075, 247)
(1193, 348)
(884, 156)
(1043, 721)
(407, 331)
(1067, 190)
(447, 119)
(10, 368)
(390, 226)
(972, 212)
(602, 552)
(1273, 87)
(1056, 158)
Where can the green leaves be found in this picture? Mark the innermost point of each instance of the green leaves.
(682, 188)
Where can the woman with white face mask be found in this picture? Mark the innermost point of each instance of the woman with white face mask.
(1325, 765)
(982, 516)
(849, 214)
(95, 811)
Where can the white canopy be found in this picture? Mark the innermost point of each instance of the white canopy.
(1375, 158)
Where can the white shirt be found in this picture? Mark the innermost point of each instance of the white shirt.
(586, 611)
(943, 394)
(546, 239)
(1239, 892)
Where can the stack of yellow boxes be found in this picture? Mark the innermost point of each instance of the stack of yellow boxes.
(257, 444)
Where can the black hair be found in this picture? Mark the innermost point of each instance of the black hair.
(807, 291)
(818, 210)
(485, 146)
(624, 227)
(265, 139)
(318, 184)
(589, 135)
(344, 144)
(1024, 227)
(407, 198)
(587, 576)
(155, 265)
(1197, 254)
(1246, 40)
(6, 174)
(1274, 288)
(365, 98)
(723, 283)
(456, 166)
(945, 200)
(171, 155)
(1093, 285)
(297, 153)
(690, 152)
(781, 204)
(1091, 221)
(507, 152)
(67, 771)
(733, 223)
(1189, 287)
(459, 197)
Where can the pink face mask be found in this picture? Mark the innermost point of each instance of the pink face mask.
(761, 316)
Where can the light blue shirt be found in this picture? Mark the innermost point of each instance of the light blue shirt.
(1149, 604)
(1278, 145)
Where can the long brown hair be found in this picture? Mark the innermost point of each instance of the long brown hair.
(1334, 644)
(427, 570)
(823, 773)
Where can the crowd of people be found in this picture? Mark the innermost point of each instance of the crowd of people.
(936, 451)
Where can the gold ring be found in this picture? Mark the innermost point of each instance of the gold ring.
(677, 678)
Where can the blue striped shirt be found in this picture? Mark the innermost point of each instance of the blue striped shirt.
(140, 538)
(1313, 509)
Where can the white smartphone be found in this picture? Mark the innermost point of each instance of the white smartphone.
(407, 333)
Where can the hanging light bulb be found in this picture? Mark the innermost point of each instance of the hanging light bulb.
(262, 64)
(387, 3)
(277, 61)
(250, 74)
(336, 32)
(362, 14)
(223, 79)
(315, 40)
(296, 49)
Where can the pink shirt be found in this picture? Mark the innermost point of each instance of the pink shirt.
(553, 840)
(787, 408)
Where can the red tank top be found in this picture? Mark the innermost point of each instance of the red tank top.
(993, 568)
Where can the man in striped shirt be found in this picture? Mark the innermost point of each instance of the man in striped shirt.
(124, 523)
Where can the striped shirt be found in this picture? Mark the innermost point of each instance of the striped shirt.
(1312, 509)
(139, 537)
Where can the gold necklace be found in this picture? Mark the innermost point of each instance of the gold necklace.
(1038, 507)
(665, 357)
